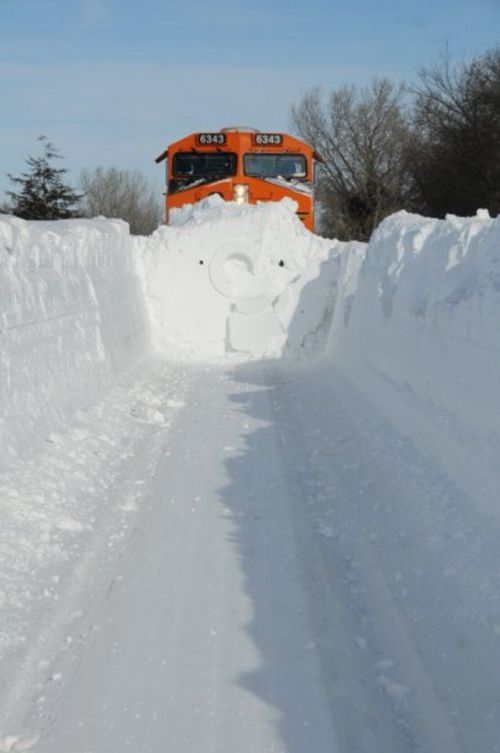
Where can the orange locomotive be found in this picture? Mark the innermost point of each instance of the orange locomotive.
(241, 165)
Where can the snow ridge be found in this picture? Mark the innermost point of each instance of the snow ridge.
(71, 316)
(416, 328)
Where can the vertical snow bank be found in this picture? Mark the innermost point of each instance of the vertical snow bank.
(227, 281)
(77, 299)
(71, 315)
(416, 326)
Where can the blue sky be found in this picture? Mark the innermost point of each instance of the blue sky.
(112, 82)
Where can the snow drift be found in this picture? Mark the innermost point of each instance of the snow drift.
(416, 328)
(410, 317)
(229, 281)
(80, 301)
(412, 553)
(71, 316)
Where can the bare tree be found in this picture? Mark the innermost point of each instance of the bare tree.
(455, 154)
(362, 137)
(124, 194)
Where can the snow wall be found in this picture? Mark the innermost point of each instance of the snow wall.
(234, 282)
(72, 315)
(412, 318)
(82, 300)
(417, 328)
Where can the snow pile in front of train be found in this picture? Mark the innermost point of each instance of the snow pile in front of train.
(229, 281)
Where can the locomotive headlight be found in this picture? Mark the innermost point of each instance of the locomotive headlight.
(240, 193)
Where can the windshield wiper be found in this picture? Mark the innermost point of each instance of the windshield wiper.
(192, 181)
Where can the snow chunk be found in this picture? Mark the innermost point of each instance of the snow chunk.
(71, 525)
(13, 743)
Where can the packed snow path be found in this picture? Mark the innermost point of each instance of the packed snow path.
(298, 579)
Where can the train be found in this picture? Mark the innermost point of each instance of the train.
(243, 165)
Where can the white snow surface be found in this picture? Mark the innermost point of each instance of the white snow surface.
(248, 505)
(416, 328)
(72, 316)
(228, 281)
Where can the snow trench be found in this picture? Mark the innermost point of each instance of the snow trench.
(413, 314)
(82, 300)
(348, 509)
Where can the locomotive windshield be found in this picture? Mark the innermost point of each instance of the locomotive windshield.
(285, 166)
(191, 167)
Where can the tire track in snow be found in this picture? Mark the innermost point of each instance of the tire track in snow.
(352, 587)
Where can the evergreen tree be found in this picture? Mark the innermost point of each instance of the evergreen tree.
(43, 194)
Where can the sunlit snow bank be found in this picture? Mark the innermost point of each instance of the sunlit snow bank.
(417, 327)
(78, 299)
(416, 312)
(230, 281)
(71, 315)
